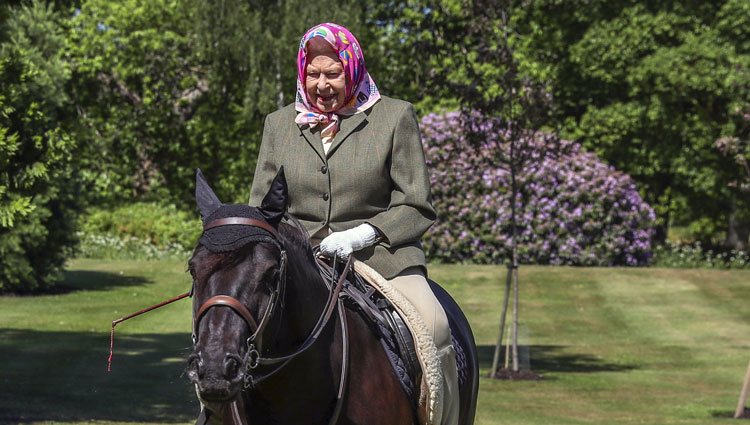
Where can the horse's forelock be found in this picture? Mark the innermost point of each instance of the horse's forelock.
(204, 263)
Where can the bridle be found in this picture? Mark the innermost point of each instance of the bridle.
(253, 358)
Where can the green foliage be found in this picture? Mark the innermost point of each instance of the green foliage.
(650, 86)
(467, 54)
(37, 188)
(166, 87)
(681, 255)
(107, 247)
(125, 99)
(138, 231)
(133, 64)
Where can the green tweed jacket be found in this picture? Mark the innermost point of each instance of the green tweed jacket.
(374, 172)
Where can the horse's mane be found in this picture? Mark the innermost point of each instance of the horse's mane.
(296, 238)
(294, 235)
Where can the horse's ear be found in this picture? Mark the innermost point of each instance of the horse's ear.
(205, 197)
(274, 203)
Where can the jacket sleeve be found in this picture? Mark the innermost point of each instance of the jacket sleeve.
(265, 167)
(409, 212)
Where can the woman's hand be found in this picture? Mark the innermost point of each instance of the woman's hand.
(342, 244)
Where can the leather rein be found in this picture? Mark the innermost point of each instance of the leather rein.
(253, 358)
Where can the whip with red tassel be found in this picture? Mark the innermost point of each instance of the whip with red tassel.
(130, 316)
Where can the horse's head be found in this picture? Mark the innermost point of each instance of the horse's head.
(237, 271)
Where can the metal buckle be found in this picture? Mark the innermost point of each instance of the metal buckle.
(253, 356)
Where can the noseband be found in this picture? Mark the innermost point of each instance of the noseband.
(253, 357)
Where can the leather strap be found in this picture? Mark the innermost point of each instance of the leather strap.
(344, 379)
(278, 363)
(323, 320)
(228, 221)
(223, 300)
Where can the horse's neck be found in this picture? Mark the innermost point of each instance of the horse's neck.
(304, 299)
(306, 296)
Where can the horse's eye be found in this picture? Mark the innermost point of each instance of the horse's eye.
(271, 276)
(274, 275)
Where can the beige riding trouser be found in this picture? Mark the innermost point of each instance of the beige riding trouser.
(413, 285)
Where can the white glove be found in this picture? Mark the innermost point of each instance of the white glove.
(342, 244)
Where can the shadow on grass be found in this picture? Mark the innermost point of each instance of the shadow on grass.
(729, 414)
(62, 376)
(553, 359)
(76, 280)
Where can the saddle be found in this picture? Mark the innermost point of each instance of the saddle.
(406, 342)
(386, 324)
(430, 387)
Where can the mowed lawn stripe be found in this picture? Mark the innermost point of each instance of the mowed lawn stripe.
(621, 345)
(692, 345)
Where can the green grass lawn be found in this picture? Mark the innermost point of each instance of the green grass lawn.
(615, 345)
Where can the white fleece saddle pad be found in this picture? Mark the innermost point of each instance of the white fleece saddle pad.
(431, 393)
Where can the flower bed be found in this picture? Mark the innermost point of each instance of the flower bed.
(572, 208)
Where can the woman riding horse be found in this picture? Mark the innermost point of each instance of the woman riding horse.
(357, 177)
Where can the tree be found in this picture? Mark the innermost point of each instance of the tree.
(38, 195)
(649, 86)
(472, 52)
(136, 83)
(166, 87)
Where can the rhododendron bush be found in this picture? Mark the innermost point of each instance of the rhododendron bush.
(571, 207)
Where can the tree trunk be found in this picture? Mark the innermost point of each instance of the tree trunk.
(499, 344)
(662, 228)
(515, 319)
(743, 395)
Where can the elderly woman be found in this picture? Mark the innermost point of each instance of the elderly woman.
(357, 177)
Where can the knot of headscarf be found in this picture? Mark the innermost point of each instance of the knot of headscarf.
(361, 92)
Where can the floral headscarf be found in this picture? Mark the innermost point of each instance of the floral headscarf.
(361, 91)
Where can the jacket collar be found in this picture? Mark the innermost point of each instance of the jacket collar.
(346, 126)
(313, 139)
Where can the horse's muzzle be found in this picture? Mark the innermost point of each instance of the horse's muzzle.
(216, 380)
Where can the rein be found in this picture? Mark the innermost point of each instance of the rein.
(325, 317)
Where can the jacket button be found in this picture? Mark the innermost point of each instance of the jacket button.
(324, 169)
(325, 196)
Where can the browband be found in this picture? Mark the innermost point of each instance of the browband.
(228, 221)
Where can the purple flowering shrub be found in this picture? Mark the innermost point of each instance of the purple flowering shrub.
(571, 208)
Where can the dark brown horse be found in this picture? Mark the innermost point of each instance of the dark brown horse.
(268, 344)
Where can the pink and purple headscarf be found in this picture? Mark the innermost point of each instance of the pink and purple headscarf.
(361, 91)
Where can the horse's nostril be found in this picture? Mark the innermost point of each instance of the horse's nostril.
(231, 366)
(194, 365)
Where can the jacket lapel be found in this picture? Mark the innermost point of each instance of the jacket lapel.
(313, 140)
(346, 127)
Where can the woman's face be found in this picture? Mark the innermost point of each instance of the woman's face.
(325, 81)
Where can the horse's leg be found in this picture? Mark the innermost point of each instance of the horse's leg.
(374, 395)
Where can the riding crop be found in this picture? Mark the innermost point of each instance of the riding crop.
(137, 313)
